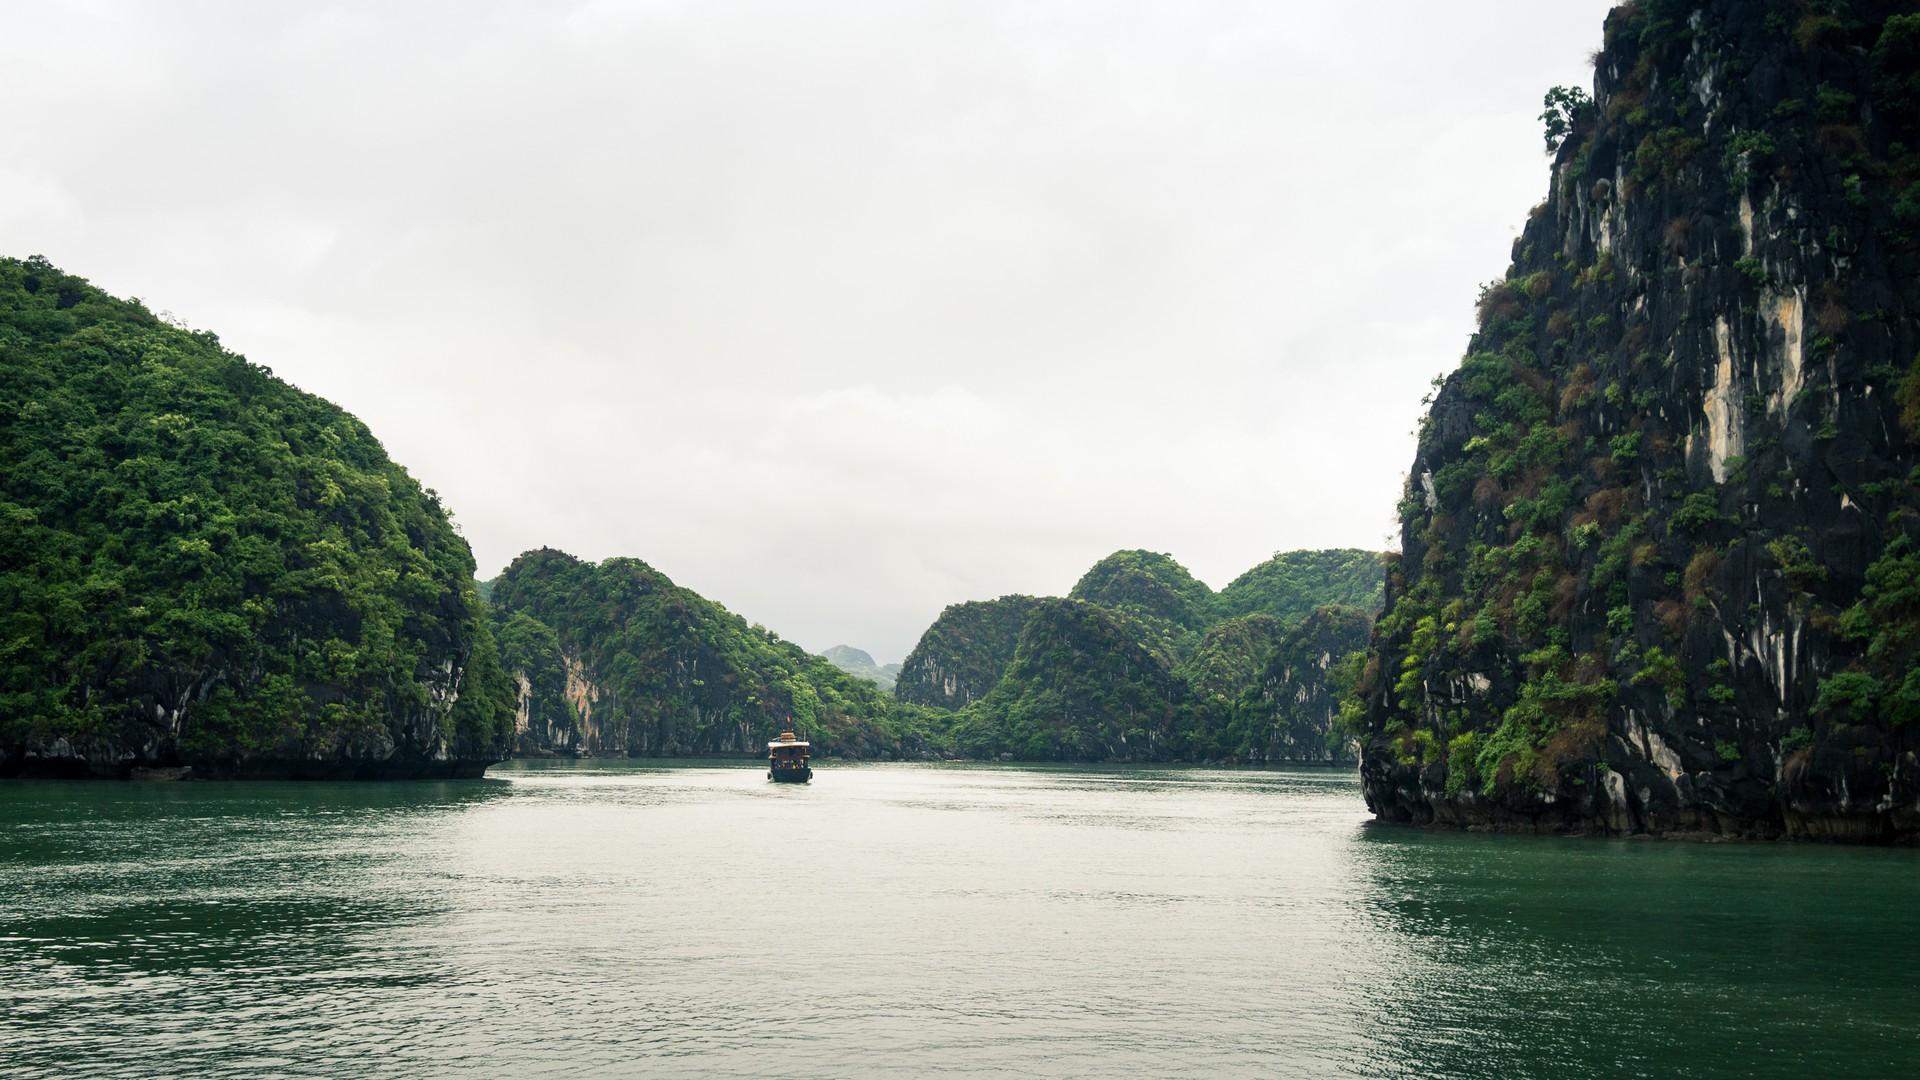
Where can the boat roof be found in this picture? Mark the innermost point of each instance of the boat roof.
(789, 742)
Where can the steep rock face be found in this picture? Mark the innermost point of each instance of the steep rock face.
(1291, 714)
(202, 566)
(1292, 584)
(1656, 569)
(648, 668)
(546, 721)
(1087, 683)
(964, 653)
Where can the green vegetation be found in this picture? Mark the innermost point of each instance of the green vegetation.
(1232, 657)
(1564, 107)
(1292, 584)
(1087, 683)
(666, 671)
(1144, 662)
(530, 650)
(1285, 715)
(964, 653)
(1149, 585)
(1885, 685)
(204, 564)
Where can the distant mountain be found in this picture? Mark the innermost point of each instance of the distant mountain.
(643, 667)
(859, 662)
(1144, 662)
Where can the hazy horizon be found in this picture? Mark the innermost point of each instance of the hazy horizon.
(837, 315)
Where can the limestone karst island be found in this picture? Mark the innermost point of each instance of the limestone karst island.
(609, 540)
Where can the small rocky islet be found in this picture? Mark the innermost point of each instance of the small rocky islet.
(1656, 571)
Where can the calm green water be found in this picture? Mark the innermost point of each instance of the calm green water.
(610, 920)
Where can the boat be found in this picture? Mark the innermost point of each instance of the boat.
(787, 758)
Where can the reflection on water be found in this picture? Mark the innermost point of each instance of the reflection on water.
(604, 919)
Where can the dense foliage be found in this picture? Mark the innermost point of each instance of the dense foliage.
(545, 720)
(204, 565)
(1292, 584)
(658, 669)
(1147, 584)
(1087, 682)
(1231, 657)
(962, 656)
(1142, 663)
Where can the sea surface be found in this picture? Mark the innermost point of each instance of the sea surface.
(620, 919)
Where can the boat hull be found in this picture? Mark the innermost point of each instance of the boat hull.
(790, 776)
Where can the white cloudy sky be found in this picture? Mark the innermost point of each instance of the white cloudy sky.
(836, 312)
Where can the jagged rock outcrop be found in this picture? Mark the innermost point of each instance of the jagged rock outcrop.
(964, 653)
(1657, 547)
(647, 668)
(203, 568)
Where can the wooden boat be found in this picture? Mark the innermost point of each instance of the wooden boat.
(787, 758)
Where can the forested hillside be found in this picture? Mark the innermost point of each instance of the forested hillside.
(203, 566)
(645, 667)
(1293, 583)
(1144, 662)
(963, 654)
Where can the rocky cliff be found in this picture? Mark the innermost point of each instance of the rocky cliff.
(647, 668)
(546, 721)
(1289, 713)
(1658, 558)
(203, 567)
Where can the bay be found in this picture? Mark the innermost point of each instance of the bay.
(622, 918)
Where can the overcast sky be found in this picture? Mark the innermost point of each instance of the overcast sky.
(835, 312)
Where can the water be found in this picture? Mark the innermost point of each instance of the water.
(609, 920)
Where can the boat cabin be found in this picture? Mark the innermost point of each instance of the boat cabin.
(787, 758)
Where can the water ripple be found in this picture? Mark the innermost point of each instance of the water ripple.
(602, 919)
